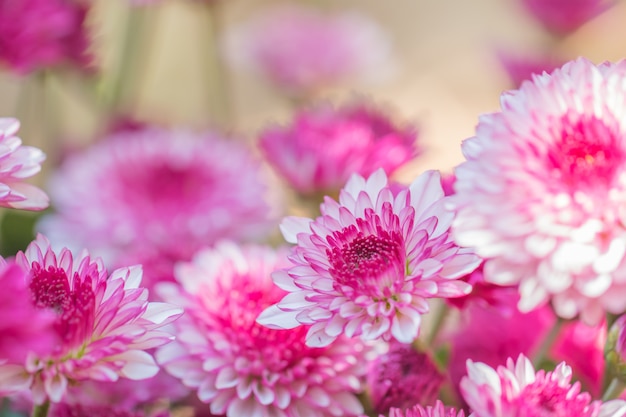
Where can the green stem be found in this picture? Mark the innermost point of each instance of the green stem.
(41, 410)
(439, 320)
(548, 341)
(615, 388)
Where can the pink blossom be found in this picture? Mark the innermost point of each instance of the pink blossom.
(402, 378)
(111, 410)
(323, 146)
(541, 192)
(104, 323)
(17, 163)
(36, 34)
(565, 16)
(300, 49)
(155, 196)
(240, 367)
(517, 390)
(367, 266)
(438, 410)
(521, 68)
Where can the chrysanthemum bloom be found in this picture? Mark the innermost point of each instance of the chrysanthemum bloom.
(240, 367)
(104, 323)
(517, 390)
(542, 190)
(438, 410)
(565, 16)
(111, 410)
(324, 145)
(17, 163)
(401, 378)
(155, 197)
(36, 34)
(299, 49)
(367, 266)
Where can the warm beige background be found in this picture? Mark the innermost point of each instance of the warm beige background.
(447, 74)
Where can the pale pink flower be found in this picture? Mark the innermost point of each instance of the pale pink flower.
(401, 378)
(240, 367)
(156, 196)
(367, 266)
(324, 145)
(17, 163)
(565, 16)
(36, 34)
(542, 191)
(438, 410)
(104, 323)
(300, 49)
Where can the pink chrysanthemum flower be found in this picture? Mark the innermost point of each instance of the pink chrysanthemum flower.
(542, 191)
(369, 264)
(517, 390)
(324, 145)
(155, 197)
(36, 34)
(111, 410)
(401, 378)
(17, 163)
(240, 367)
(104, 323)
(301, 50)
(565, 16)
(438, 410)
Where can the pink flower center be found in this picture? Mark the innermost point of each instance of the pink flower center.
(587, 153)
(546, 398)
(75, 307)
(367, 261)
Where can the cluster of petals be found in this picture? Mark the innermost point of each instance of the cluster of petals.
(300, 49)
(438, 410)
(517, 390)
(36, 34)
(541, 194)
(104, 324)
(78, 410)
(565, 16)
(368, 265)
(17, 163)
(239, 367)
(155, 196)
(324, 145)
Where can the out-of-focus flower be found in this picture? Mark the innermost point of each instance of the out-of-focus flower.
(541, 193)
(240, 367)
(521, 68)
(17, 163)
(517, 390)
(324, 145)
(438, 410)
(565, 16)
(402, 378)
(111, 410)
(155, 197)
(104, 323)
(37, 34)
(300, 49)
(367, 266)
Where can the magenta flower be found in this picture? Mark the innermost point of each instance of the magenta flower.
(240, 367)
(541, 192)
(565, 16)
(37, 34)
(300, 49)
(155, 197)
(104, 323)
(517, 390)
(438, 410)
(402, 378)
(17, 163)
(369, 264)
(323, 146)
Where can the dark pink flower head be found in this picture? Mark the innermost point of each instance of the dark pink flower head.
(17, 163)
(401, 378)
(104, 323)
(542, 192)
(438, 410)
(324, 145)
(367, 266)
(36, 34)
(155, 196)
(240, 367)
(300, 49)
(565, 16)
